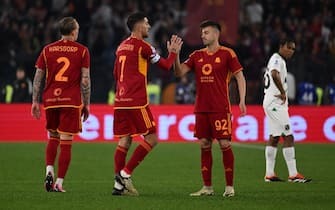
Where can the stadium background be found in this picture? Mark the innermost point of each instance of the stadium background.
(253, 28)
(171, 171)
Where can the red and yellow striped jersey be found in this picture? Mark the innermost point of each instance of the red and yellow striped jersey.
(213, 72)
(62, 60)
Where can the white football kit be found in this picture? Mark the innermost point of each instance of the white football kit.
(277, 113)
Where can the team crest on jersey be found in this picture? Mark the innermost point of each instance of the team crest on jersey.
(287, 127)
(217, 60)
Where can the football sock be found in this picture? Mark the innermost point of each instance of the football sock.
(51, 151)
(124, 174)
(49, 168)
(139, 154)
(270, 159)
(228, 163)
(289, 155)
(64, 157)
(206, 165)
(59, 181)
(119, 158)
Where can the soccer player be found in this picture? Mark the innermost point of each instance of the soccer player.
(66, 97)
(132, 116)
(275, 106)
(214, 66)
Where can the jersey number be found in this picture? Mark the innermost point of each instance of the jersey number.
(122, 60)
(266, 80)
(221, 125)
(66, 63)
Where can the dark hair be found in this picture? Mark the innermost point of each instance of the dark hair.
(212, 23)
(135, 18)
(67, 25)
(286, 40)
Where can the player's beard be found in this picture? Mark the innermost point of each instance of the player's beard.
(146, 35)
(207, 42)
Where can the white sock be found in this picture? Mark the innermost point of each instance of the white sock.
(49, 168)
(289, 155)
(59, 181)
(118, 186)
(270, 159)
(124, 174)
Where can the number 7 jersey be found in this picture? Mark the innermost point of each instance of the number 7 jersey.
(130, 72)
(63, 60)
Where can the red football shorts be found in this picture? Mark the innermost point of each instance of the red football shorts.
(65, 120)
(133, 122)
(213, 125)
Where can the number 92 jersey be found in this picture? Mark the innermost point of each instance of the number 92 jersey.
(278, 63)
(63, 60)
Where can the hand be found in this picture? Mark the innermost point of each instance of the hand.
(85, 112)
(175, 43)
(243, 109)
(282, 97)
(35, 110)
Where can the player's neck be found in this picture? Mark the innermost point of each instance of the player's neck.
(213, 47)
(136, 35)
(68, 38)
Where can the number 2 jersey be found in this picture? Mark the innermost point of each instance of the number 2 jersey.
(62, 60)
(278, 63)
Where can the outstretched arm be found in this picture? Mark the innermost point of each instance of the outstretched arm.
(173, 46)
(180, 69)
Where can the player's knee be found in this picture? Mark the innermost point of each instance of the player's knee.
(288, 141)
(53, 134)
(66, 137)
(273, 141)
(151, 139)
(224, 143)
(205, 143)
(125, 141)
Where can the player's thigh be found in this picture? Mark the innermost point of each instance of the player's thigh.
(202, 129)
(70, 121)
(221, 125)
(52, 116)
(278, 121)
(133, 122)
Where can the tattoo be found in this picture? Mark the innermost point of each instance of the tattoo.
(85, 85)
(39, 75)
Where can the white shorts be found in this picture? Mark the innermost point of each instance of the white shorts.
(278, 120)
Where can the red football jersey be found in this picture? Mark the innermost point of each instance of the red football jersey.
(62, 60)
(213, 72)
(130, 72)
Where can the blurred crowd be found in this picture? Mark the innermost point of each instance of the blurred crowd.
(27, 25)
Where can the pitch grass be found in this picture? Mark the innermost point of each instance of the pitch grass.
(165, 179)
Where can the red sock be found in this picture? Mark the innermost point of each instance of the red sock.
(139, 154)
(119, 158)
(64, 157)
(51, 151)
(228, 163)
(206, 165)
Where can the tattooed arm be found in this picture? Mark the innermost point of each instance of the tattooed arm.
(35, 107)
(86, 91)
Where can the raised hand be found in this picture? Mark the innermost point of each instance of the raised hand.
(175, 43)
